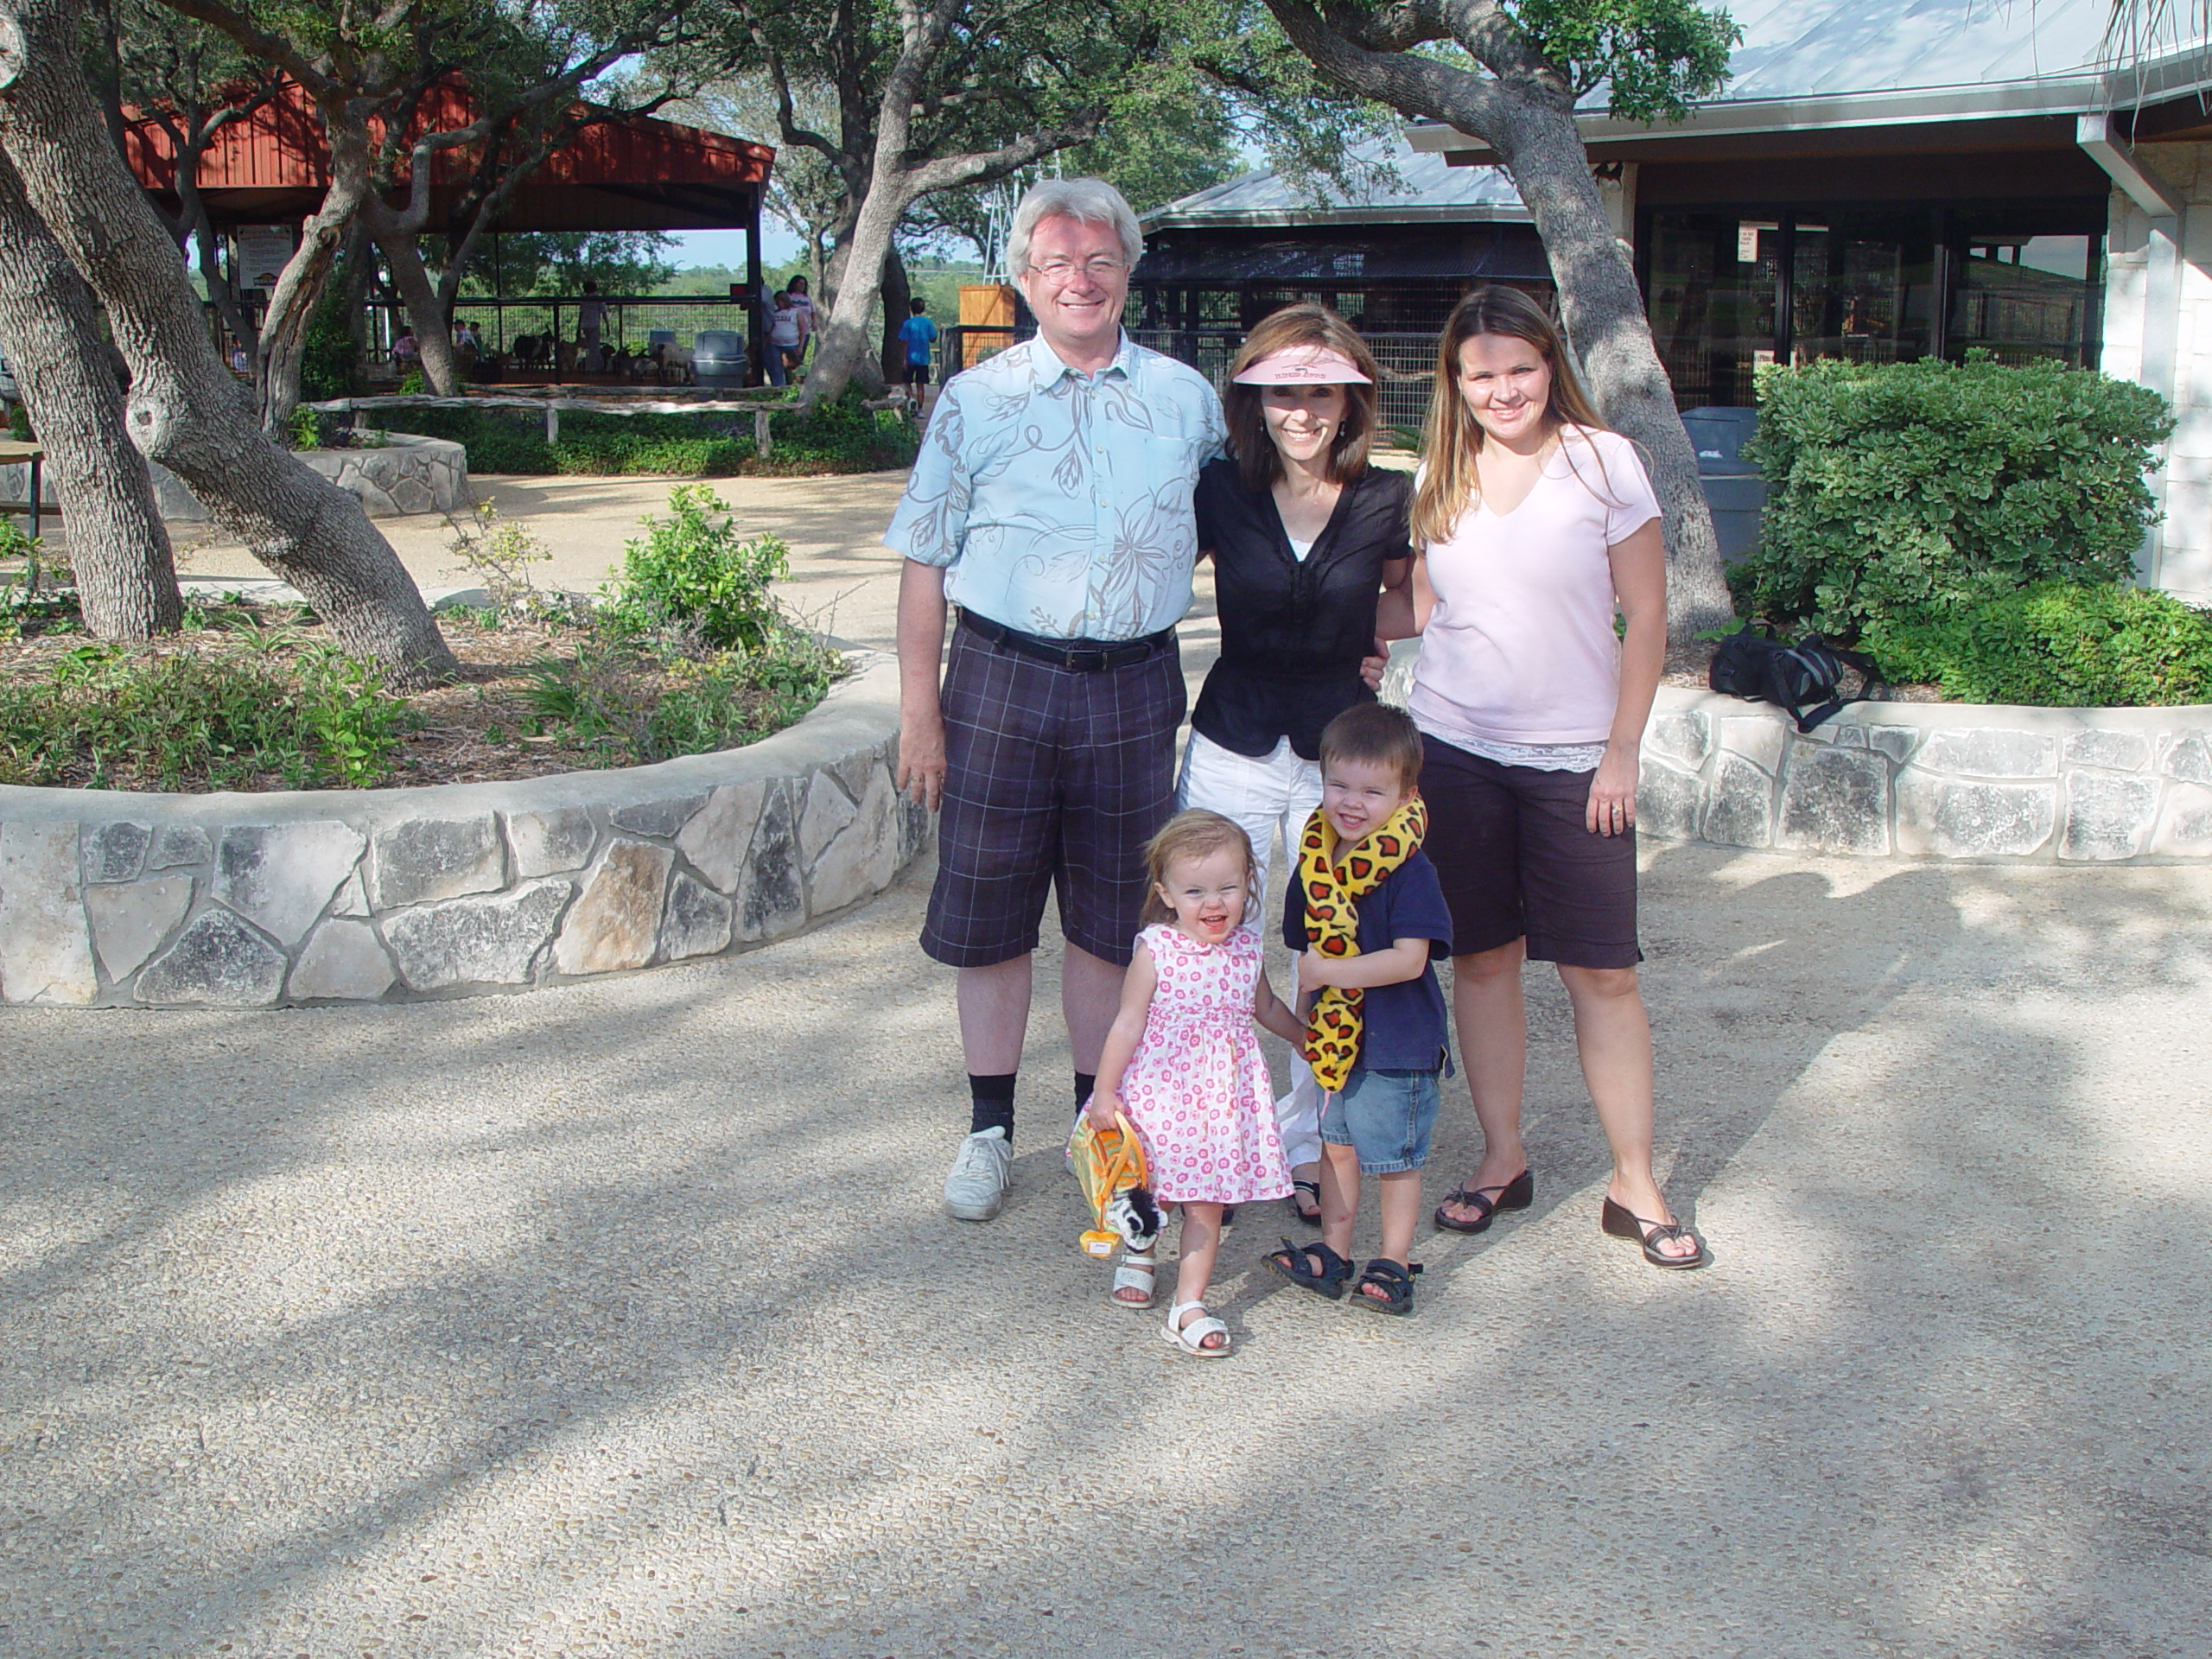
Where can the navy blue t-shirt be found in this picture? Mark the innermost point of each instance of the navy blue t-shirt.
(1402, 1025)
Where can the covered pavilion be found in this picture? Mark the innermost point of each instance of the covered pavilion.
(622, 173)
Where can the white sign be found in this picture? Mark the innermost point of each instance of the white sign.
(262, 251)
(1747, 240)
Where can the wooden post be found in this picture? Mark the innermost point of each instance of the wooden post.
(552, 422)
(761, 439)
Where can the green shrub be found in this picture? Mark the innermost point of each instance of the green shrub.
(307, 431)
(330, 358)
(637, 701)
(2058, 643)
(224, 718)
(1894, 488)
(690, 572)
(839, 437)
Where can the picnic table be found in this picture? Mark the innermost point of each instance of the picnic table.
(14, 452)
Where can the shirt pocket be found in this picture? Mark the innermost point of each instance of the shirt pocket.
(1172, 461)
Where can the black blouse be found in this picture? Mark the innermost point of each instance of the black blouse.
(1292, 631)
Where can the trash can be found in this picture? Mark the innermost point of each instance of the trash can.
(1733, 489)
(718, 358)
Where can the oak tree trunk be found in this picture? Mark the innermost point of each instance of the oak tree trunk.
(897, 294)
(184, 409)
(49, 329)
(1543, 150)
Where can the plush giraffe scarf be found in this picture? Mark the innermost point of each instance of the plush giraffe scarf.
(1334, 878)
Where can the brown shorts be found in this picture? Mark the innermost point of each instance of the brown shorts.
(1512, 848)
(1056, 778)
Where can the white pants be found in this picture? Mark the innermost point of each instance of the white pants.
(1265, 795)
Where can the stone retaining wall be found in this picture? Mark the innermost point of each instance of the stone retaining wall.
(236, 901)
(1933, 780)
(406, 474)
(1922, 781)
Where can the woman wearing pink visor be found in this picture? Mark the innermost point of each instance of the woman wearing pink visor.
(1303, 537)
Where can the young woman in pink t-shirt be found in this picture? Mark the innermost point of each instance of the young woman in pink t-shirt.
(1532, 525)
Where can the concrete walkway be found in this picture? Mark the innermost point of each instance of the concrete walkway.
(622, 1319)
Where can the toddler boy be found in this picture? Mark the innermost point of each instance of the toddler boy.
(1366, 915)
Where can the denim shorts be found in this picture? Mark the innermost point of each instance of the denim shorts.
(1384, 1116)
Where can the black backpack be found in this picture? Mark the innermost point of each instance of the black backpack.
(1752, 663)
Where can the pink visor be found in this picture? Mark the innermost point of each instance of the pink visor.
(1303, 365)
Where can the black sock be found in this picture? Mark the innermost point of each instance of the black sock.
(1085, 1082)
(993, 1107)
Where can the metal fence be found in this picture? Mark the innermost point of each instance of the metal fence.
(502, 321)
(1408, 361)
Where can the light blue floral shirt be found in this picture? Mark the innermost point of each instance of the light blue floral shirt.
(1059, 503)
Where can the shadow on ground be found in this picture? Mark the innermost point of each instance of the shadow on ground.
(622, 1319)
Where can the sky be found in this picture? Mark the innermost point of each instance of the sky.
(727, 247)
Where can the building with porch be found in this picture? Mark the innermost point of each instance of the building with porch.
(1921, 181)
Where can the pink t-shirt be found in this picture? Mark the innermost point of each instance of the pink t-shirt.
(1521, 647)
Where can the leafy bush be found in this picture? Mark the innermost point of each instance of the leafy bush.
(1899, 488)
(2058, 643)
(330, 358)
(690, 572)
(307, 431)
(838, 437)
(638, 701)
(224, 717)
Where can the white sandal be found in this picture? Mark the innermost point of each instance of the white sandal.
(1190, 1338)
(1135, 1272)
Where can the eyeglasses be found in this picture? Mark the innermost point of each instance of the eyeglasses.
(1060, 272)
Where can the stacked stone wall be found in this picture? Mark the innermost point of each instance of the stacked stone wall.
(234, 901)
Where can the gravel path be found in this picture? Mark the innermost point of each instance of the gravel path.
(622, 1319)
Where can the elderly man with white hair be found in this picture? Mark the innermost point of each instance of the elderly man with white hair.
(1052, 502)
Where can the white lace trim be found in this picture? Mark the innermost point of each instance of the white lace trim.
(1539, 756)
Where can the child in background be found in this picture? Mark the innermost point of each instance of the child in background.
(921, 335)
(1182, 1064)
(1367, 913)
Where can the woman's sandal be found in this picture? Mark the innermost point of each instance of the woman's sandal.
(1298, 1213)
(1397, 1283)
(1132, 1272)
(1516, 1194)
(1192, 1337)
(1295, 1263)
(1619, 1222)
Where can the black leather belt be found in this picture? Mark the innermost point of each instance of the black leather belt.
(1079, 655)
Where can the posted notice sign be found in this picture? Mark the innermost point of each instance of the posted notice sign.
(263, 250)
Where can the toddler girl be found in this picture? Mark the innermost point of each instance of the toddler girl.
(1182, 1064)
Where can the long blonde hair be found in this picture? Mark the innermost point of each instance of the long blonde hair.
(1192, 834)
(1451, 437)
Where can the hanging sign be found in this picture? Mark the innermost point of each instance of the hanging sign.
(262, 251)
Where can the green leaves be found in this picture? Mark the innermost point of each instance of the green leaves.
(693, 570)
(2058, 644)
(1896, 489)
(1656, 55)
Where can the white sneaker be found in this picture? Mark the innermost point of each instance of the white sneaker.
(976, 1188)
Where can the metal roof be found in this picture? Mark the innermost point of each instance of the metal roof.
(1812, 65)
(1429, 191)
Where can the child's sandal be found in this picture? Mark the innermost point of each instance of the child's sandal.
(1395, 1283)
(1295, 1263)
(1192, 1337)
(1133, 1272)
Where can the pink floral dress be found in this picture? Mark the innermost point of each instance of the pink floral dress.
(1198, 1088)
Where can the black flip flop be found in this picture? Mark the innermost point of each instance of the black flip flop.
(1619, 1222)
(1516, 1194)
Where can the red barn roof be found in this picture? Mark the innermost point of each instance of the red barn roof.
(628, 173)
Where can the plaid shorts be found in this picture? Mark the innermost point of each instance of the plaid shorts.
(1054, 778)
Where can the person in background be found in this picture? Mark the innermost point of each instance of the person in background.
(803, 308)
(783, 342)
(591, 321)
(921, 335)
(405, 350)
